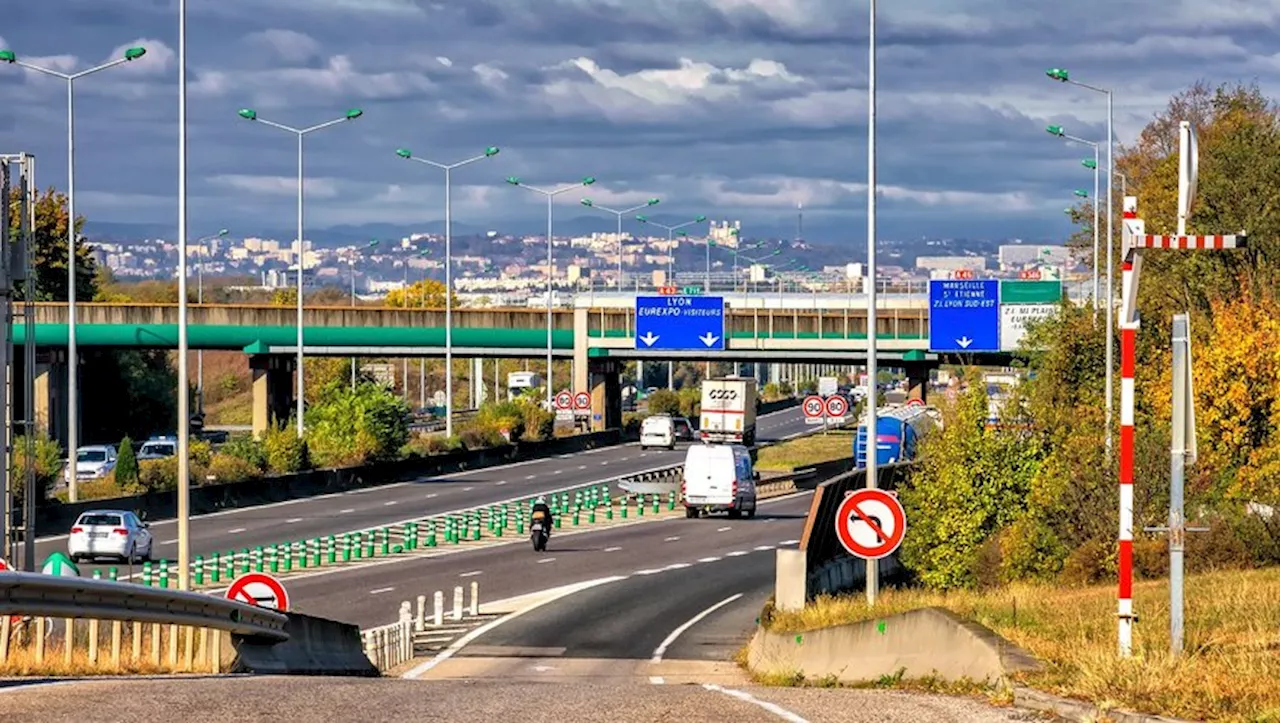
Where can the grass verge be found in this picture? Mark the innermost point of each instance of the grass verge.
(1229, 671)
(802, 451)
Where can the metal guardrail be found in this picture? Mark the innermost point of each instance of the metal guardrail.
(34, 594)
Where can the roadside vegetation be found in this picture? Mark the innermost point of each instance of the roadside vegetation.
(801, 452)
(1228, 672)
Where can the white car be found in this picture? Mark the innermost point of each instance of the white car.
(94, 462)
(658, 431)
(110, 533)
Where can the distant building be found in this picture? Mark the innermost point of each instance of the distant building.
(1016, 256)
(951, 263)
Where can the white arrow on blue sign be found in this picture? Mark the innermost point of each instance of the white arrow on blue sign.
(964, 316)
(680, 323)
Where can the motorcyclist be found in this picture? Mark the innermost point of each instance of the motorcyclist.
(541, 511)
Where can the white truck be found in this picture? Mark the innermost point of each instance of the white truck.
(729, 410)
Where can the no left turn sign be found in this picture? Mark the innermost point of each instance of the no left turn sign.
(256, 588)
(871, 523)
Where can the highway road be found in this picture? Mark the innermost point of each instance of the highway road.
(370, 595)
(377, 506)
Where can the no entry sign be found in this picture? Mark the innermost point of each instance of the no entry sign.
(871, 523)
(256, 588)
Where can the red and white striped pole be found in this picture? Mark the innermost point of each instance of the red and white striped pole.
(1132, 229)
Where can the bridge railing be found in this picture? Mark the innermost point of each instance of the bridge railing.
(101, 619)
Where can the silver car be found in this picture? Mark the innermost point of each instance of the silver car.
(93, 462)
(109, 533)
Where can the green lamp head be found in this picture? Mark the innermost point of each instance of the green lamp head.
(404, 153)
(513, 180)
(491, 151)
(8, 56)
(354, 113)
(134, 53)
(248, 114)
(588, 180)
(1058, 74)
(1055, 131)
(587, 202)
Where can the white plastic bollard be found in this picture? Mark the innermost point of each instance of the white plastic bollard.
(420, 622)
(475, 598)
(406, 611)
(437, 619)
(457, 603)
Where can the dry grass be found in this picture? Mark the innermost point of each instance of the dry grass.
(1230, 672)
(22, 659)
(814, 449)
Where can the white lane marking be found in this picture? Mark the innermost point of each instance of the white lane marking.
(170, 542)
(346, 511)
(656, 680)
(672, 539)
(432, 496)
(662, 649)
(236, 531)
(646, 572)
(545, 560)
(605, 462)
(530, 476)
(465, 640)
(676, 566)
(292, 520)
(559, 471)
(501, 482)
(467, 489)
(777, 710)
(724, 529)
(389, 503)
(381, 590)
(582, 466)
(709, 559)
(612, 549)
(789, 542)
(763, 548)
(735, 553)
(473, 573)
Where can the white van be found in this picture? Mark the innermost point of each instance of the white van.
(658, 431)
(719, 477)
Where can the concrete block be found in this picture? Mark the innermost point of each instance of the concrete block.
(790, 583)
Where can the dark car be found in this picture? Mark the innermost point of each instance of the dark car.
(683, 429)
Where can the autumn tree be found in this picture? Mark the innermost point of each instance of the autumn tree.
(49, 253)
(425, 294)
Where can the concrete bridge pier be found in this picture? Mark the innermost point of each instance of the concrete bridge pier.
(50, 392)
(917, 381)
(605, 379)
(272, 390)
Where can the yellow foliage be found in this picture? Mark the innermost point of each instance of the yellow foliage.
(425, 294)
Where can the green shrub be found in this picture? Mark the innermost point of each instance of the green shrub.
(224, 468)
(246, 449)
(284, 451)
(48, 464)
(158, 475)
(691, 402)
(476, 437)
(664, 401)
(631, 423)
(350, 427)
(425, 445)
(539, 423)
(493, 418)
(126, 472)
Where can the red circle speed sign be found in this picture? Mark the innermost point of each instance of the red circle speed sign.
(871, 523)
(813, 406)
(915, 402)
(837, 406)
(582, 400)
(564, 400)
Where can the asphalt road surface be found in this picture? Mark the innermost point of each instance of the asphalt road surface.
(369, 595)
(310, 517)
(343, 700)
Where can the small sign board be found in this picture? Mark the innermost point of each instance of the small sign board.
(871, 523)
(256, 588)
(59, 565)
(827, 386)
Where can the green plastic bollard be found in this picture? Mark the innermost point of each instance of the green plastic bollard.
(146, 574)
(273, 560)
(520, 525)
(215, 572)
(385, 547)
(657, 505)
(346, 547)
(113, 574)
(671, 501)
(97, 574)
(475, 533)
(301, 550)
(164, 573)
(576, 519)
(331, 554)
(288, 558)
(555, 522)
(197, 569)
(622, 503)
(608, 512)
(244, 561)
(257, 559)
(431, 538)
(397, 549)
(640, 506)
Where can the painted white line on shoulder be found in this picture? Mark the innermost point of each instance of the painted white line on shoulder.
(236, 531)
(389, 503)
(473, 573)
(672, 539)
(432, 496)
(558, 471)
(605, 462)
(293, 520)
(582, 466)
(381, 590)
(501, 482)
(530, 476)
(773, 708)
(545, 560)
(346, 511)
(724, 529)
(546, 597)
(612, 549)
(646, 572)
(736, 553)
(789, 542)
(169, 542)
(656, 680)
(709, 559)
(467, 489)
(666, 643)
(676, 566)
(763, 548)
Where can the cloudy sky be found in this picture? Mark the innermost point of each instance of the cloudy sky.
(737, 109)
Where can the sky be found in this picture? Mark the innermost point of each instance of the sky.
(736, 109)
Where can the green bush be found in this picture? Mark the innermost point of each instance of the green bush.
(539, 423)
(284, 451)
(493, 418)
(477, 437)
(691, 402)
(770, 392)
(425, 445)
(247, 449)
(350, 427)
(126, 472)
(631, 423)
(158, 475)
(48, 464)
(664, 401)
(224, 468)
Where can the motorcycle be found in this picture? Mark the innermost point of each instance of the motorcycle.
(539, 536)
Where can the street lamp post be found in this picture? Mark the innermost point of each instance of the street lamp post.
(368, 246)
(73, 386)
(407, 154)
(252, 115)
(200, 300)
(873, 566)
(592, 204)
(671, 231)
(1062, 76)
(1091, 164)
(550, 194)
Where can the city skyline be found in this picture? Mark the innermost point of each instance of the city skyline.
(717, 108)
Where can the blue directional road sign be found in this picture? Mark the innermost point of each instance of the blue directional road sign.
(964, 316)
(680, 323)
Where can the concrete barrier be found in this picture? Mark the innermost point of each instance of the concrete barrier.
(916, 644)
(316, 646)
(56, 518)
